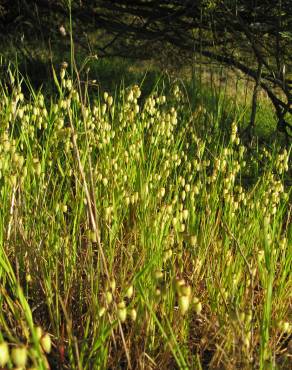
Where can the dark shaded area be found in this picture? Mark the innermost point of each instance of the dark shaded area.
(244, 35)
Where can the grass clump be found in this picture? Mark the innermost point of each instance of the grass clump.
(134, 238)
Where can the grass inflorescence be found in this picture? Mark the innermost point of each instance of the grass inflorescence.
(132, 235)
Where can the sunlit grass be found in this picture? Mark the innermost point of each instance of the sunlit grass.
(136, 234)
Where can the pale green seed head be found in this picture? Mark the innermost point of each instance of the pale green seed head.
(19, 356)
(46, 343)
(4, 354)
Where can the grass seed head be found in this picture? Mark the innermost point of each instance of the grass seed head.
(185, 290)
(122, 311)
(129, 292)
(101, 311)
(110, 101)
(193, 241)
(19, 356)
(158, 274)
(284, 326)
(197, 305)
(113, 285)
(133, 314)
(108, 297)
(38, 332)
(46, 343)
(4, 354)
(184, 303)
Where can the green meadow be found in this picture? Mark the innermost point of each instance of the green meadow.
(138, 228)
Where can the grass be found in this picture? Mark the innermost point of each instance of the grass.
(136, 233)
